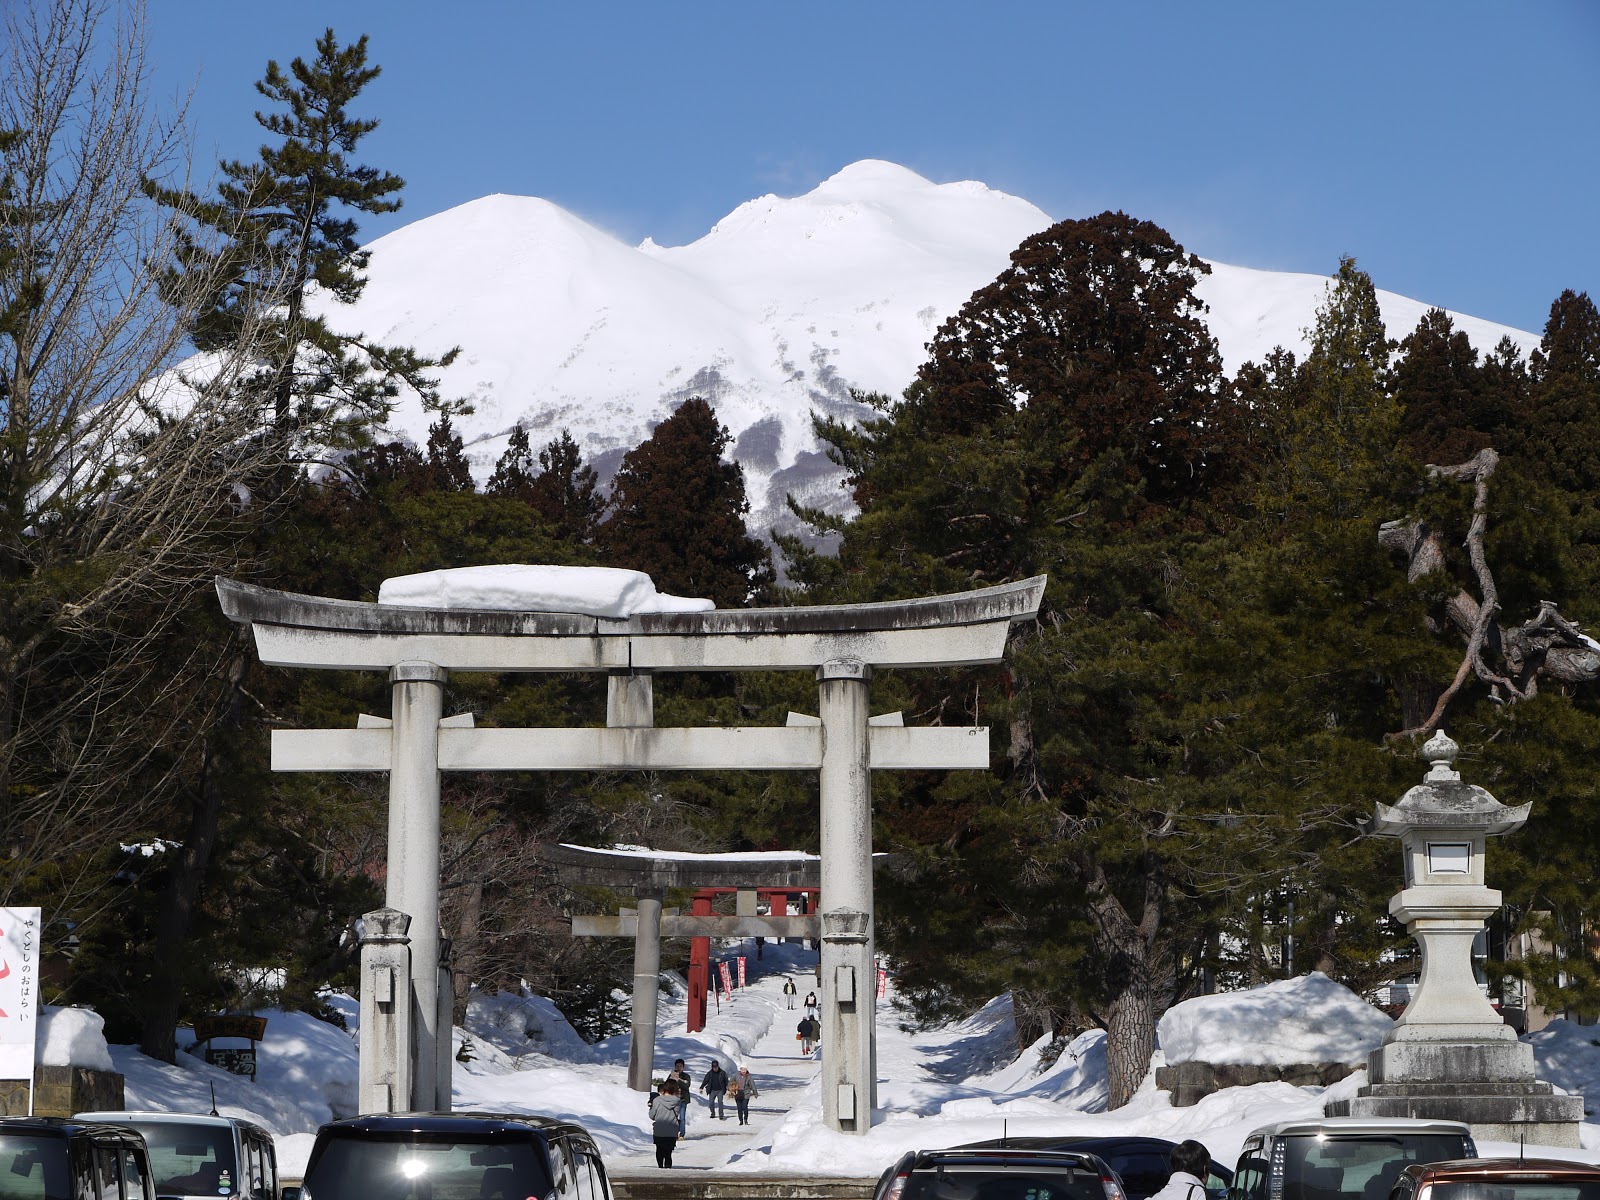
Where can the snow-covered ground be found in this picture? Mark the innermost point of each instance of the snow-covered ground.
(943, 1087)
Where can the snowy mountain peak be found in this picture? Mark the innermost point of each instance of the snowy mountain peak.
(781, 309)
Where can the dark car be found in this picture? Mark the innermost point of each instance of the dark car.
(1143, 1164)
(1499, 1179)
(1008, 1174)
(454, 1156)
(63, 1158)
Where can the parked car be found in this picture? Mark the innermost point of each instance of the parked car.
(454, 1156)
(63, 1158)
(1499, 1179)
(1143, 1164)
(1009, 1174)
(203, 1156)
(1341, 1158)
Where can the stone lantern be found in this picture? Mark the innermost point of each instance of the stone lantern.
(1450, 1056)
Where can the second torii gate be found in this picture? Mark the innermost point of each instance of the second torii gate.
(842, 644)
(650, 875)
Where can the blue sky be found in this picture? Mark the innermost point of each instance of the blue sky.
(1452, 148)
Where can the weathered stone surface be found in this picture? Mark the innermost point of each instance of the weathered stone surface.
(1191, 1082)
(62, 1091)
(1514, 1114)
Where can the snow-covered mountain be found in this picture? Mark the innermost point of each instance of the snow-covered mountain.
(782, 308)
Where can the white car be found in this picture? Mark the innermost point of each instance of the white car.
(1342, 1158)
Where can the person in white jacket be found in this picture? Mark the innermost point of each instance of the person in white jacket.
(1191, 1163)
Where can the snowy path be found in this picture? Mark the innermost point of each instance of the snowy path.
(781, 1074)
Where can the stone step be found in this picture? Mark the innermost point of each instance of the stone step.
(691, 1183)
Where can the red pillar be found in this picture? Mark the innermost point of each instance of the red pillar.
(699, 967)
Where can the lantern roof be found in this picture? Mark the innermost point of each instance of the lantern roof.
(1442, 802)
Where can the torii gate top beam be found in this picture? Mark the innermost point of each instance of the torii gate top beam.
(310, 631)
(588, 866)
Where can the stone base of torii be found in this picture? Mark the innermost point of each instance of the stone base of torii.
(403, 968)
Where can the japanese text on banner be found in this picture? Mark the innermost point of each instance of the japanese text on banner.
(19, 991)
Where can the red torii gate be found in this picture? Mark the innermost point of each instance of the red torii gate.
(700, 947)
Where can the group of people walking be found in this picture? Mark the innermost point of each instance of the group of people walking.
(669, 1107)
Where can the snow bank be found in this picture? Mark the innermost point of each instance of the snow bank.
(72, 1037)
(523, 1025)
(590, 591)
(1310, 1019)
(1569, 1057)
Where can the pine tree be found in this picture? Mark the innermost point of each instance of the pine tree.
(514, 472)
(678, 509)
(1442, 393)
(566, 492)
(447, 459)
(286, 217)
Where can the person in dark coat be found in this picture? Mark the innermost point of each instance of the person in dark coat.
(680, 1076)
(715, 1086)
(809, 1031)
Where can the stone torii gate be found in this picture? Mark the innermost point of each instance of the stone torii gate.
(842, 644)
(650, 875)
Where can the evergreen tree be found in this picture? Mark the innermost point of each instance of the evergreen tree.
(1071, 419)
(286, 217)
(447, 459)
(1442, 393)
(566, 492)
(677, 513)
(514, 472)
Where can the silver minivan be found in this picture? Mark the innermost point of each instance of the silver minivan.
(1341, 1158)
(195, 1157)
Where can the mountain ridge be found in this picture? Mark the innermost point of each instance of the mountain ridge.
(783, 307)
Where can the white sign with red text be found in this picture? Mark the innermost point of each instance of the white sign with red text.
(19, 991)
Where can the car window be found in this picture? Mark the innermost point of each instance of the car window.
(134, 1177)
(190, 1160)
(1361, 1167)
(425, 1168)
(1517, 1189)
(108, 1172)
(1250, 1182)
(1143, 1172)
(1019, 1182)
(34, 1168)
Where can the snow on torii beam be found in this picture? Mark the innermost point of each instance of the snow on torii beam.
(841, 643)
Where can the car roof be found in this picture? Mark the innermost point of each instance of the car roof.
(1503, 1168)
(1354, 1125)
(451, 1122)
(63, 1127)
(1073, 1141)
(151, 1116)
(998, 1155)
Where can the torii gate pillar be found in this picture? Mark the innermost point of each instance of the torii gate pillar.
(413, 878)
(849, 1076)
(646, 989)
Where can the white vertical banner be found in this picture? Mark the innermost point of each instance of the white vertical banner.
(19, 991)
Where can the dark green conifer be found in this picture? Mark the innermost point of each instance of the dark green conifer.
(678, 509)
(566, 492)
(447, 459)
